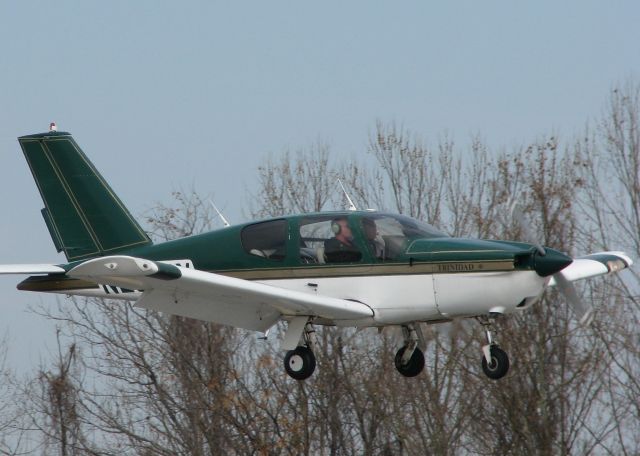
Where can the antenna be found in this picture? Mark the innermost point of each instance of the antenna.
(352, 207)
(224, 220)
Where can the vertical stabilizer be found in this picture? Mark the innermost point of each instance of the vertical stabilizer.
(84, 216)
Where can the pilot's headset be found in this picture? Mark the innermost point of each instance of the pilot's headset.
(336, 228)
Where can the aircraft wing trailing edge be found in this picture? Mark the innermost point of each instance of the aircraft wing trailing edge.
(213, 297)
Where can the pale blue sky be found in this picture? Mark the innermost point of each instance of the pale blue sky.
(166, 94)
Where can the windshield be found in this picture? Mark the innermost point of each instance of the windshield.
(342, 238)
(400, 225)
(387, 235)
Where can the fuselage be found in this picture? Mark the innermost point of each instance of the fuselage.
(403, 269)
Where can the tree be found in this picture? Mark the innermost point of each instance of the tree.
(558, 385)
(609, 159)
(12, 433)
(295, 184)
(53, 399)
(168, 385)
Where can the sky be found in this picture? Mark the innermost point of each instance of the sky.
(167, 95)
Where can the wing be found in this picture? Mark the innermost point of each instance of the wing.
(30, 269)
(594, 265)
(213, 297)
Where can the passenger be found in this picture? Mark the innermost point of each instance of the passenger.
(340, 248)
(374, 242)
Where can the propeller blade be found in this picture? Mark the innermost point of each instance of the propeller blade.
(551, 262)
(583, 312)
(517, 214)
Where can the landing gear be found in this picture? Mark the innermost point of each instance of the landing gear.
(495, 361)
(412, 367)
(300, 363)
(409, 359)
(499, 365)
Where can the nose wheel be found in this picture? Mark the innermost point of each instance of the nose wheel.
(499, 365)
(495, 361)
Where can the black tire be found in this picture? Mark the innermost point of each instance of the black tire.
(415, 364)
(499, 364)
(300, 363)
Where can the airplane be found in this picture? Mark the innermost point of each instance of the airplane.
(345, 268)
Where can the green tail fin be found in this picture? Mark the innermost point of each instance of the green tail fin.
(84, 216)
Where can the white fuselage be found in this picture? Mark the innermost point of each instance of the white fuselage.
(398, 299)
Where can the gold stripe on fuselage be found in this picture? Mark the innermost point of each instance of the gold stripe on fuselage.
(371, 270)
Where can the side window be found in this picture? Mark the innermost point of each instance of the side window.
(327, 240)
(266, 239)
(385, 236)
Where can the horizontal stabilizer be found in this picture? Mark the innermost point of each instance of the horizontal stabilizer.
(213, 297)
(30, 269)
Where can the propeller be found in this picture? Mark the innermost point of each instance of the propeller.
(517, 214)
(544, 264)
(583, 312)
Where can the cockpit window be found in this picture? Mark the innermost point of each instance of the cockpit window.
(339, 238)
(327, 239)
(400, 225)
(266, 239)
(388, 235)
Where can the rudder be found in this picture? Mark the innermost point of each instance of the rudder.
(84, 216)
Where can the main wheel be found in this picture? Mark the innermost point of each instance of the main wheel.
(415, 364)
(300, 363)
(499, 365)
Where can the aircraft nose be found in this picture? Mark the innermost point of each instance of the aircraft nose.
(551, 262)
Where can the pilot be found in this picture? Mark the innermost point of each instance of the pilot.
(374, 242)
(340, 248)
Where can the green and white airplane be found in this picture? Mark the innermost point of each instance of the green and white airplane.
(350, 269)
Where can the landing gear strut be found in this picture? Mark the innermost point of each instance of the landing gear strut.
(300, 363)
(409, 359)
(495, 361)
